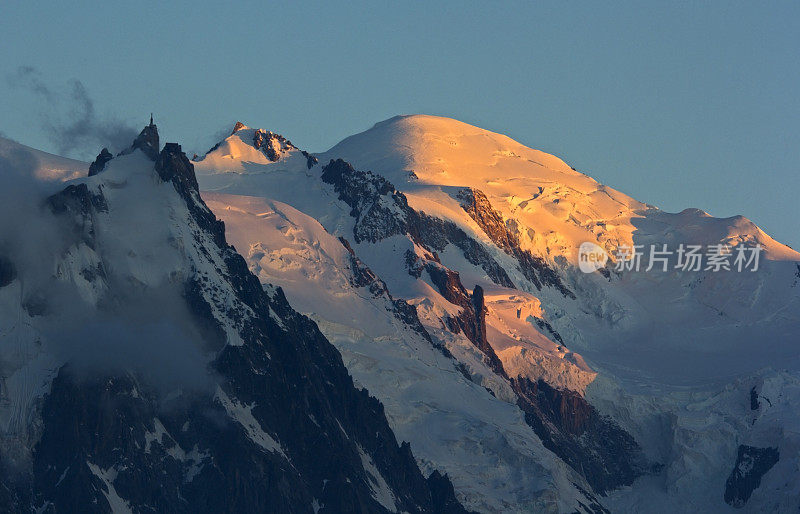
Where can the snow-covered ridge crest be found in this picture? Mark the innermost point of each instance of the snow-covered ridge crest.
(289, 423)
(37, 165)
(256, 146)
(651, 347)
(556, 207)
(353, 203)
(514, 380)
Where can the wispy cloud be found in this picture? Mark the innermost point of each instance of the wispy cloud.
(70, 117)
(149, 331)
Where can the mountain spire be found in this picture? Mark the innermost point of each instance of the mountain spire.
(146, 141)
(239, 125)
(99, 164)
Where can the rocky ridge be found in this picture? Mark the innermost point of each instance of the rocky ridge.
(279, 426)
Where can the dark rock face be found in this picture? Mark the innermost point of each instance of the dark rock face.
(173, 166)
(7, 271)
(593, 506)
(280, 427)
(275, 145)
(100, 162)
(78, 205)
(146, 141)
(535, 269)
(754, 403)
(593, 445)
(267, 141)
(381, 211)
(472, 319)
(751, 464)
(480, 313)
(414, 265)
(362, 276)
(544, 325)
(434, 234)
(311, 161)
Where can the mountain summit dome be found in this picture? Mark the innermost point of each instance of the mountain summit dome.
(443, 151)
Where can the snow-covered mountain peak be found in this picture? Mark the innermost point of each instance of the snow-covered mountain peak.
(238, 126)
(444, 151)
(432, 159)
(147, 142)
(248, 146)
(556, 208)
(439, 259)
(140, 302)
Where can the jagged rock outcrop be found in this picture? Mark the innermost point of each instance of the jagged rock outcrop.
(593, 445)
(173, 166)
(545, 325)
(751, 464)
(100, 162)
(754, 403)
(435, 234)
(362, 276)
(479, 307)
(311, 161)
(273, 145)
(594, 506)
(80, 205)
(535, 269)
(279, 427)
(381, 211)
(147, 141)
(472, 319)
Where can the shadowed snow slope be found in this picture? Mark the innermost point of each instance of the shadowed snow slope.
(453, 424)
(29, 163)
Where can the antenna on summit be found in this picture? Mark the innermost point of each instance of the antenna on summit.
(151, 119)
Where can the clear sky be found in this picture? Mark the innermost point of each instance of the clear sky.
(687, 104)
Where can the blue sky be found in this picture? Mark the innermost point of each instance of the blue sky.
(689, 104)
